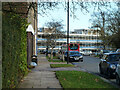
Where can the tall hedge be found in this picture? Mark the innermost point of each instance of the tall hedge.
(14, 49)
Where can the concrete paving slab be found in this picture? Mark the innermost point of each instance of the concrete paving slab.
(47, 73)
(41, 79)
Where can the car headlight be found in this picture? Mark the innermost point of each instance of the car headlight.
(81, 56)
(118, 65)
(112, 66)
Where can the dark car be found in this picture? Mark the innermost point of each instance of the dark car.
(109, 63)
(74, 56)
(43, 51)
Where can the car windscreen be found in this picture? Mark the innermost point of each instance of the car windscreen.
(106, 51)
(73, 46)
(114, 57)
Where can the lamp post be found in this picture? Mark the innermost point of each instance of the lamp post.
(67, 31)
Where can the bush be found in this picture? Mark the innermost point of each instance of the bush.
(14, 49)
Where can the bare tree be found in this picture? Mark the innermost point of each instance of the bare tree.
(53, 33)
(114, 28)
(108, 22)
(98, 20)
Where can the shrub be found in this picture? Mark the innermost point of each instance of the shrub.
(14, 49)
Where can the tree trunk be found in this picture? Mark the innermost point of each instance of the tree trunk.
(51, 56)
(63, 56)
(47, 51)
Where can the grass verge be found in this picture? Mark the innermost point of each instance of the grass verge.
(55, 57)
(79, 79)
(61, 65)
(56, 61)
(47, 57)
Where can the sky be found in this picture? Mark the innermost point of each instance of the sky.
(81, 22)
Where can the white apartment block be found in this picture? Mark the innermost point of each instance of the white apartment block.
(87, 38)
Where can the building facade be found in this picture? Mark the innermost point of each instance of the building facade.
(87, 38)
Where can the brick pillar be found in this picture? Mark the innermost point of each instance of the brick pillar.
(30, 33)
(29, 47)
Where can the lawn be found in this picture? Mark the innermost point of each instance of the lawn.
(97, 56)
(47, 57)
(79, 79)
(54, 59)
(61, 65)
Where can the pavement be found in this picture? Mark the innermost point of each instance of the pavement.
(43, 76)
(40, 76)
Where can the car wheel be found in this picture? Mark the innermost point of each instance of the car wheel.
(78, 60)
(117, 79)
(101, 72)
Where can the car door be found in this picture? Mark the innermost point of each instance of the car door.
(118, 69)
(106, 63)
(103, 63)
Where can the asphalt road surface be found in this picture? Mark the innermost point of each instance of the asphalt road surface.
(91, 64)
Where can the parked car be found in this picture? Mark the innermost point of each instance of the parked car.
(86, 53)
(74, 56)
(97, 53)
(118, 50)
(43, 51)
(102, 53)
(118, 74)
(109, 63)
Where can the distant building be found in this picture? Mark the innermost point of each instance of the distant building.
(87, 38)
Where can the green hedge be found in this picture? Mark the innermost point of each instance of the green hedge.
(14, 49)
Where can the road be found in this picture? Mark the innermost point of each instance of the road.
(91, 64)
